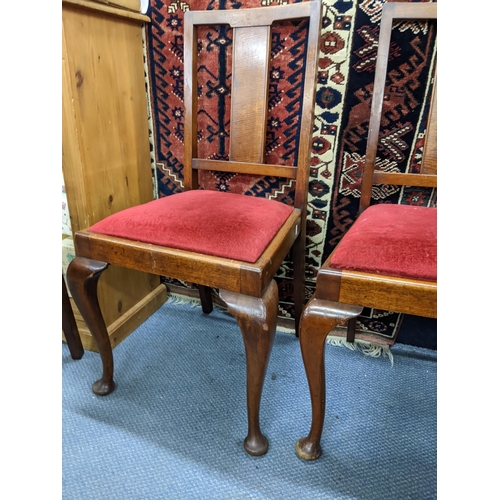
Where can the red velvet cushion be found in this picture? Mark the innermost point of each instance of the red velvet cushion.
(209, 222)
(391, 240)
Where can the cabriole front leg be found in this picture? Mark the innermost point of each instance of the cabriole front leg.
(257, 319)
(83, 276)
(318, 319)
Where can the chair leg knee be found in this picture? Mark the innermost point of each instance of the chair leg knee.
(318, 319)
(257, 318)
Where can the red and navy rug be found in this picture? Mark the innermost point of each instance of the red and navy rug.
(343, 96)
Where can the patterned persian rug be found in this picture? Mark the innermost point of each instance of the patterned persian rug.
(343, 98)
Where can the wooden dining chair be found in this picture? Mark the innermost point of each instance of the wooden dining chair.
(231, 242)
(388, 258)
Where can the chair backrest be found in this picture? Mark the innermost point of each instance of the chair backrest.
(249, 93)
(428, 172)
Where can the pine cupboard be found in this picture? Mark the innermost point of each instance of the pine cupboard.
(106, 162)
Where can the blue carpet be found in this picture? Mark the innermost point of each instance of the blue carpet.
(174, 426)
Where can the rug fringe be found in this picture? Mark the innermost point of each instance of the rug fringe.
(285, 329)
(365, 347)
(177, 298)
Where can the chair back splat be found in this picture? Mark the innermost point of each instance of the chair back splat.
(387, 260)
(427, 176)
(227, 241)
(249, 93)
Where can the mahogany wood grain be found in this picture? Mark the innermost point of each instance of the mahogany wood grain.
(328, 282)
(271, 259)
(401, 179)
(401, 295)
(179, 264)
(206, 299)
(69, 327)
(253, 17)
(246, 168)
(405, 10)
(307, 119)
(299, 287)
(83, 276)
(318, 319)
(257, 318)
(190, 101)
(251, 56)
(341, 295)
(429, 159)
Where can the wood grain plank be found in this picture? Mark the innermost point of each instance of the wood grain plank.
(108, 9)
(106, 164)
(255, 277)
(249, 94)
(245, 168)
(260, 17)
(216, 272)
(402, 179)
(390, 294)
(107, 101)
(429, 157)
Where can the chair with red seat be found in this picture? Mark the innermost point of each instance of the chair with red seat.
(228, 241)
(388, 259)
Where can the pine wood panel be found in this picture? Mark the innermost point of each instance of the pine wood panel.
(107, 106)
(121, 328)
(106, 163)
(110, 8)
(126, 4)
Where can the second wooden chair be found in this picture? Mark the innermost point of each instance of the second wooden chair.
(388, 259)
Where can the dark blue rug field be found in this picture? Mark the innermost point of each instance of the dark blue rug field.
(174, 426)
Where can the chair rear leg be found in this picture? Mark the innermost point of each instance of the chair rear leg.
(257, 318)
(69, 326)
(83, 276)
(206, 299)
(318, 319)
(351, 330)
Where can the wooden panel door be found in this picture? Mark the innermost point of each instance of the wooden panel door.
(106, 164)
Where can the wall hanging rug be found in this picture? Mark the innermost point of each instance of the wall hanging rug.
(343, 98)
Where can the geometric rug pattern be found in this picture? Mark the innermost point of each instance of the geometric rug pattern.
(344, 88)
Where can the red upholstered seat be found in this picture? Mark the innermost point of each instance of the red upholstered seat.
(391, 240)
(209, 222)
